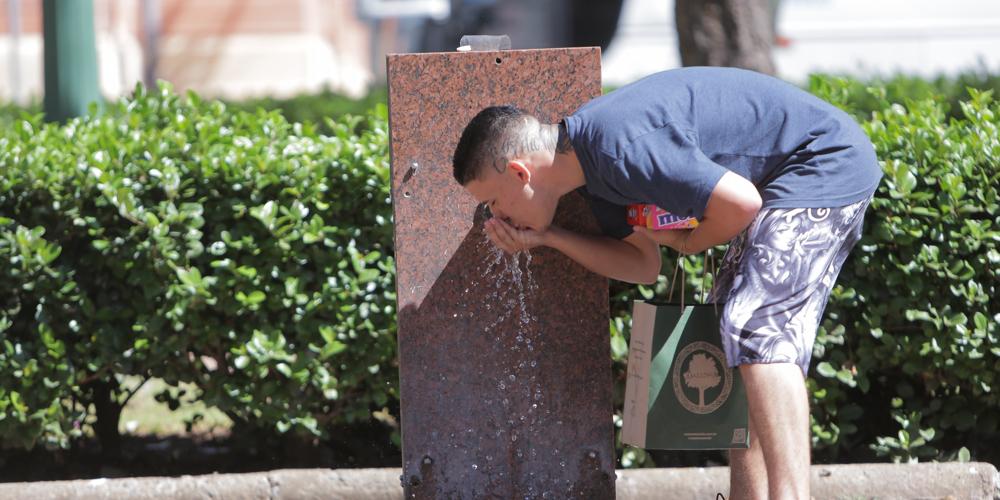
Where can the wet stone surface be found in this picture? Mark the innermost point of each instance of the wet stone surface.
(504, 360)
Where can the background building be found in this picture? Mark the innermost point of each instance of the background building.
(241, 48)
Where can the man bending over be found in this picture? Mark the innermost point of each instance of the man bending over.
(777, 173)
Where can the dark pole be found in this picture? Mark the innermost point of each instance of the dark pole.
(70, 58)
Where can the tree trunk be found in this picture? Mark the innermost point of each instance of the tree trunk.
(735, 33)
(108, 413)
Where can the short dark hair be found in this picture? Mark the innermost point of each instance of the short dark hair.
(492, 137)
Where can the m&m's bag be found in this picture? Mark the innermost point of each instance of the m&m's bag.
(656, 218)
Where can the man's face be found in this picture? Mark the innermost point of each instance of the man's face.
(515, 196)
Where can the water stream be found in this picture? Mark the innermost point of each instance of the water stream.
(511, 286)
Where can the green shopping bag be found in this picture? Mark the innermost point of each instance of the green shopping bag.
(680, 394)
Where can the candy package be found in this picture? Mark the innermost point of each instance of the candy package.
(656, 218)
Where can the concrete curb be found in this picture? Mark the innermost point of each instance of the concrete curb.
(883, 481)
(861, 481)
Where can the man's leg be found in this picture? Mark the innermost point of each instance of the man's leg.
(747, 472)
(779, 408)
(775, 287)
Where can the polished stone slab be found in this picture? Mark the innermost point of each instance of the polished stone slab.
(505, 365)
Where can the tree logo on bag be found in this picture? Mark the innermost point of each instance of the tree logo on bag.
(700, 367)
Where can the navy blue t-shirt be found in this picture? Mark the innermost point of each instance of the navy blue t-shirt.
(668, 138)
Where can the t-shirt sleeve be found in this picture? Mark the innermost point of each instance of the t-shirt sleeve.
(612, 218)
(667, 168)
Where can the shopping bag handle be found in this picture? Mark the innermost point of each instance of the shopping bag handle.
(709, 268)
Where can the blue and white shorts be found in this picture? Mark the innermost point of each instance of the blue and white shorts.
(776, 278)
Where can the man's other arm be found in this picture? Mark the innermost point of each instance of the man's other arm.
(732, 206)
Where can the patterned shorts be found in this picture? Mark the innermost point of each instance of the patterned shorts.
(776, 278)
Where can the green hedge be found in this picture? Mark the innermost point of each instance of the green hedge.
(949, 91)
(316, 108)
(909, 353)
(10, 114)
(313, 109)
(175, 238)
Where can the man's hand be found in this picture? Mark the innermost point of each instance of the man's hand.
(673, 238)
(511, 239)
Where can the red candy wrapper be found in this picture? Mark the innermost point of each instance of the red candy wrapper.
(656, 218)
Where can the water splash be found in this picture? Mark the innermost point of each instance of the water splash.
(509, 286)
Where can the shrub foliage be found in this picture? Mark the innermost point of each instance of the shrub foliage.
(173, 238)
(179, 239)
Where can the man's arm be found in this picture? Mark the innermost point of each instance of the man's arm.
(731, 208)
(634, 259)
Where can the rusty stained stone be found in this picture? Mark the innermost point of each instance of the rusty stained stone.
(505, 369)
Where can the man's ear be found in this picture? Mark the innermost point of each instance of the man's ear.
(518, 168)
